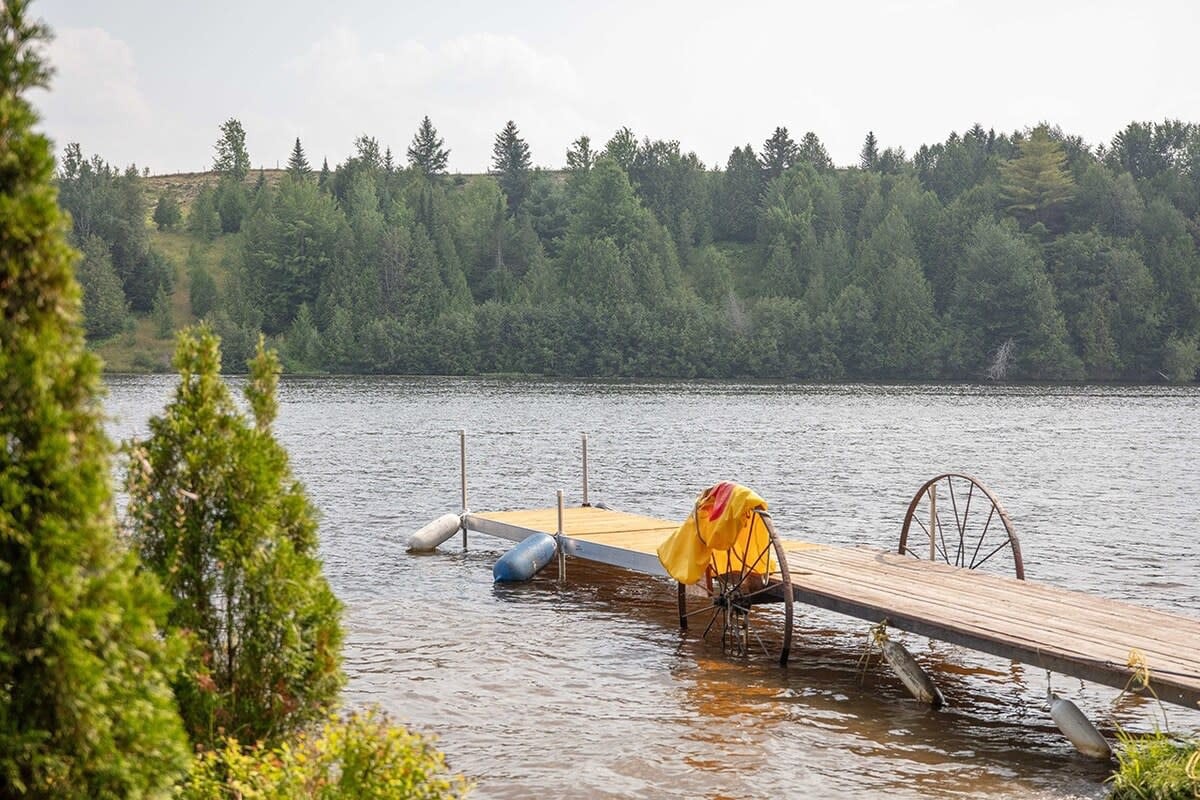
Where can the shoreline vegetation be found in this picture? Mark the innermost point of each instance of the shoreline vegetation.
(1029, 256)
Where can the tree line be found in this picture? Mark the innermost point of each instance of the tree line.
(1029, 255)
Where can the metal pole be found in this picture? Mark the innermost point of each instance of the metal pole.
(585, 470)
(932, 521)
(462, 462)
(562, 556)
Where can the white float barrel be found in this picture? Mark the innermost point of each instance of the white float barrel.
(526, 559)
(1078, 728)
(918, 683)
(428, 538)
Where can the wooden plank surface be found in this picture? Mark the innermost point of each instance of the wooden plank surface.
(1070, 632)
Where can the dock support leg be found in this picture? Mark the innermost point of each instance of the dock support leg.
(585, 472)
(562, 554)
(462, 463)
(682, 606)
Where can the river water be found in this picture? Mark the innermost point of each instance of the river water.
(588, 689)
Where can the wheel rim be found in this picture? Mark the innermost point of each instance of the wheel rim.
(970, 529)
(733, 585)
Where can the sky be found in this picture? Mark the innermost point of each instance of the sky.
(149, 82)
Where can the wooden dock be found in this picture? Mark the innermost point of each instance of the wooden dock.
(1068, 632)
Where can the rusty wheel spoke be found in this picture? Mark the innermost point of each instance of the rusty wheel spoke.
(991, 541)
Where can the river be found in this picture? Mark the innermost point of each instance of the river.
(588, 689)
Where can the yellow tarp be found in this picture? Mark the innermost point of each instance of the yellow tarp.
(719, 532)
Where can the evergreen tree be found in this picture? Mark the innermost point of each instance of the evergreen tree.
(892, 161)
(203, 219)
(778, 153)
(738, 194)
(622, 148)
(905, 322)
(160, 312)
(167, 213)
(511, 165)
(427, 154)
(813, 151)
(367, 150)
(217, 515)
(202, 292)
(104, 307)
(110, 203)
(298, 166)
(232, 159)
(324, 177)
(85, 711)
(1003, 294)
(232, 203)
(1036, 184)
(580, 156)
(868, 157)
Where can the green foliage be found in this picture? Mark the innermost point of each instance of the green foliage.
(167, 213)
(868, 157)
(288, 246)
(110, 203)
(813, 152)
(1036, 184)
(622, 148)
(1156, 767)
(427, 153)
(104, 308)
(161, 314)
(1181, 358)
(361, 757)
(218, 517)
(580, 155)
(778, 154)
(888, 260)
(511, 165)
(231, 159)
(85, 711)
(740, 187)
(297, 165)
(232, 203)
(1003, 293)
(202, 291)
(203, 219)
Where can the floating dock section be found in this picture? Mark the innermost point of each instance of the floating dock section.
(1068, 632)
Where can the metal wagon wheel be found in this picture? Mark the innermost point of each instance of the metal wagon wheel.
(978, 531)
(731, 590)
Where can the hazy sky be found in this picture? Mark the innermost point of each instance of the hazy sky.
(150, 81)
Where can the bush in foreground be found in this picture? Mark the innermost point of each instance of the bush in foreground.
(363, 757)
(218, 516)
(1158, 766)
(85, 711)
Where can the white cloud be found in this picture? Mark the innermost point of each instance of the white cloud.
(95, 98)
(470, 85)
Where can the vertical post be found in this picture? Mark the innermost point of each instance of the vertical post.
(462, 462)
(562, 556)
(932, 522)
(585, 472)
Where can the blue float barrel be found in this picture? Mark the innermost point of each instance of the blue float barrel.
(526, 559)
